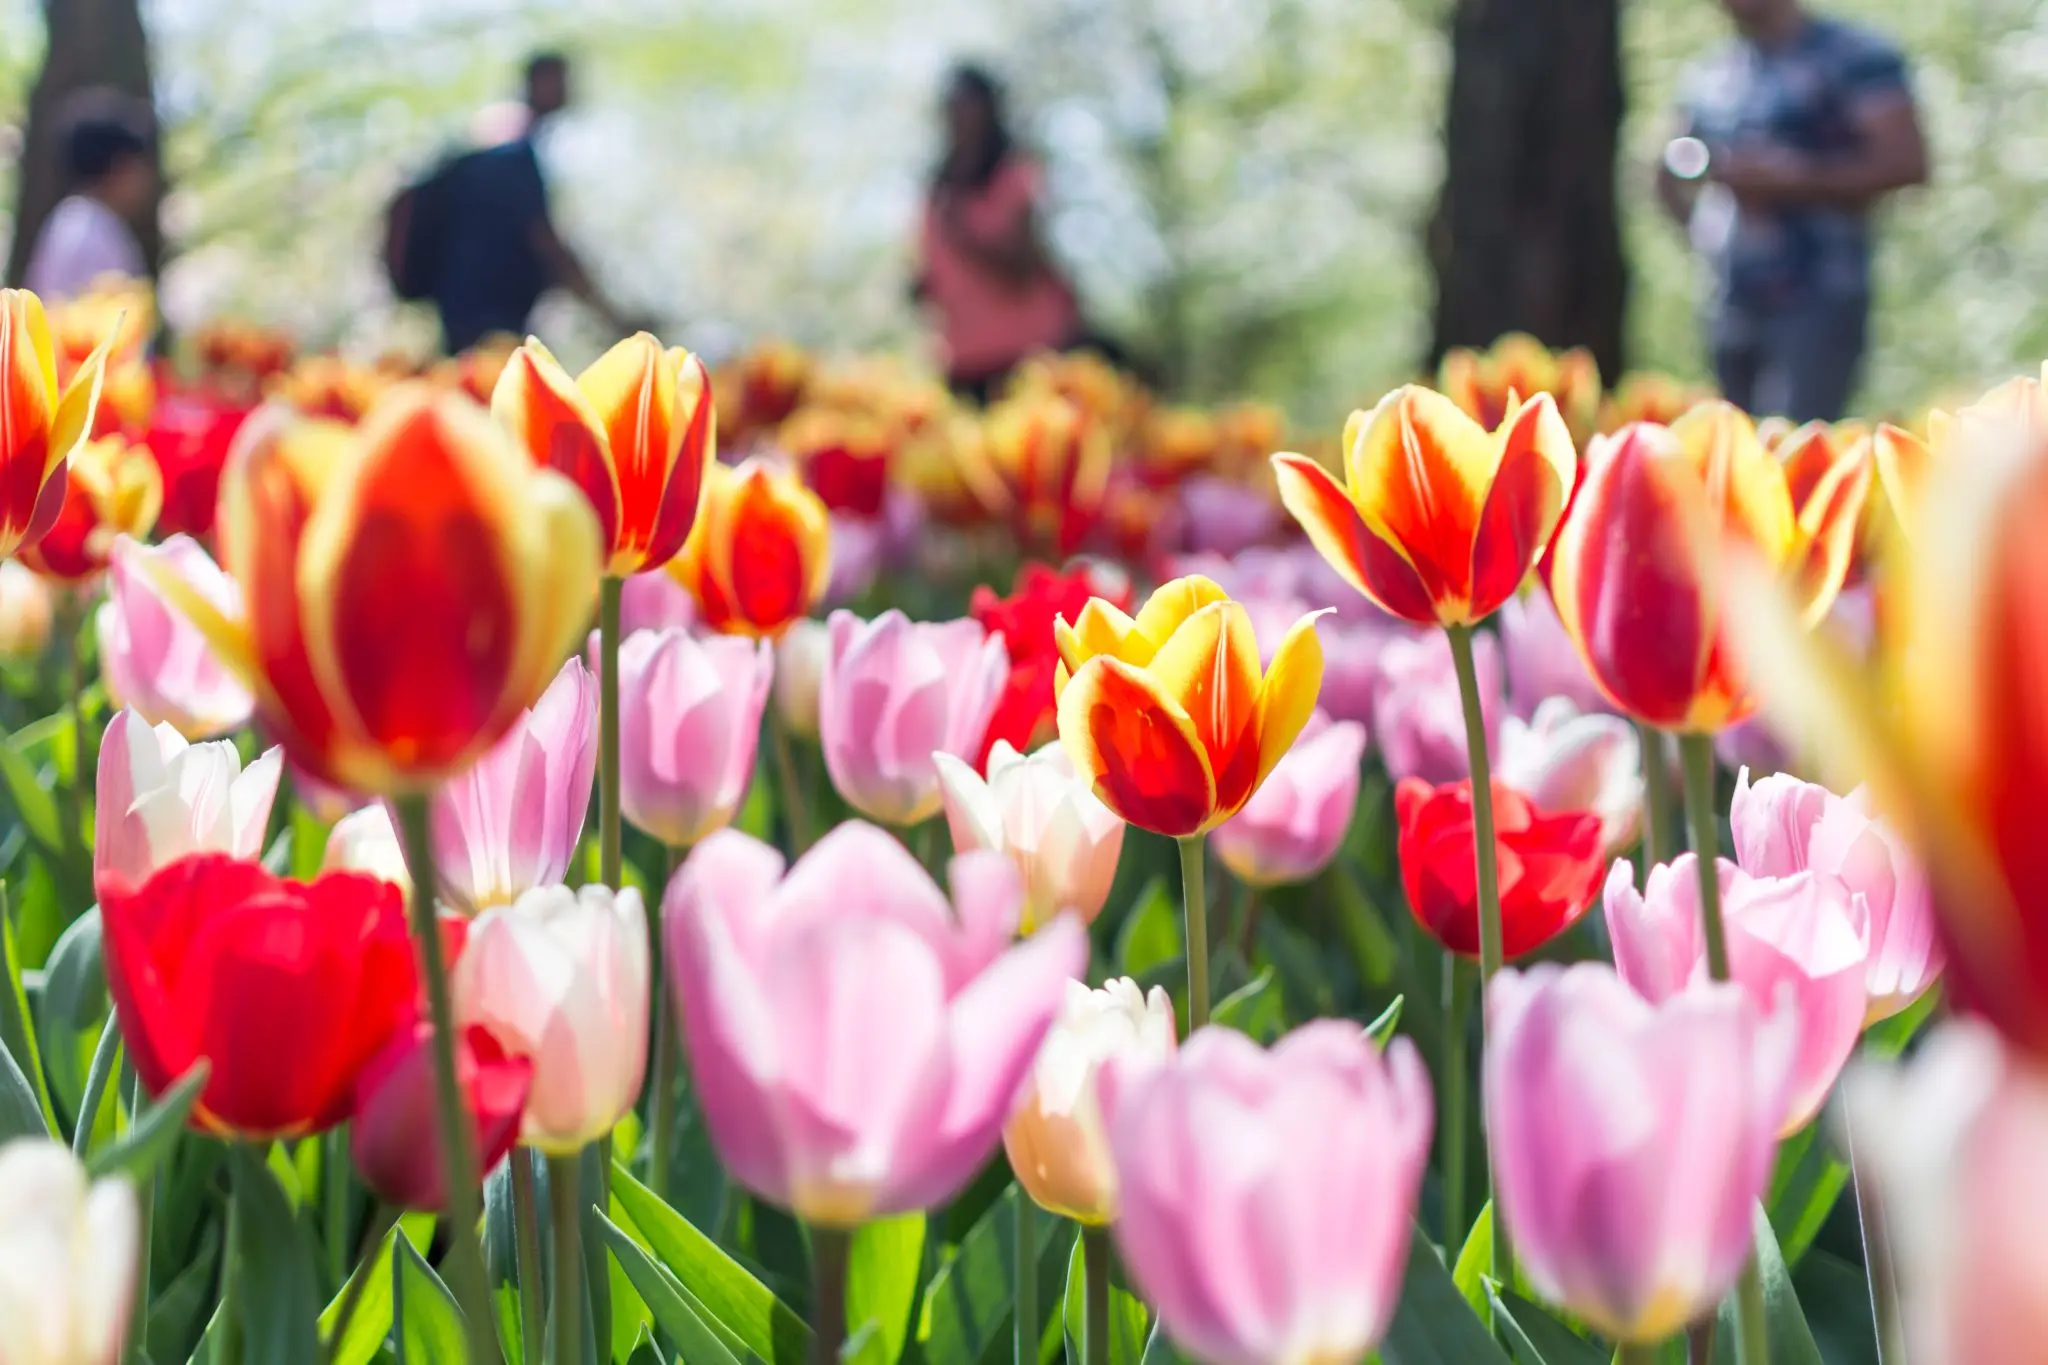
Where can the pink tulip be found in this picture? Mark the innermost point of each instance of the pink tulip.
(1565, 761)
(1418, 719)
(857, 551)
(893, 693)
(512, 822)
(152, 657)
(561, 977)
(1223, 516)
(365, 841)
(1631, 1140)
(1793, 943)
(1296, 821)
(856, 1041)
(159, 799)
(1542, 661)
(799, 667)
(1783, 826)
(1351, 667)
(654, 601)
(1064, 841)
(1266, 1196)
(394, 1129)
(689, 723)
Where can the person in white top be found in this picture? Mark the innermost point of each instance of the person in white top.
(109, 155)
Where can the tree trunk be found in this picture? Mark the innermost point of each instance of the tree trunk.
(1525, 235)
(92, 43)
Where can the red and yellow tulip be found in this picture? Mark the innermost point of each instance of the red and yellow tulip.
(1043, 462)
(1169, 716)
(761, 555)
(1487, 384)
(118, 317)
(1639, 564)
(1648, 396)
(1439, 520)
(635, 432)
(40, 424)
(111, 489)
(410, 585)
(759, 389)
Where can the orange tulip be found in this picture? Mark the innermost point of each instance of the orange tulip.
(634, 431)
(761, 555)
(1440, 521)
(1647, 396)
(1637, 573)
(2015, 410)
(1169, 717)
(40, 425)
(329, 387)
(119, 314)
(111, 489)
(1044, 463)
(410, 585)
(759, 389)
(1486, 384)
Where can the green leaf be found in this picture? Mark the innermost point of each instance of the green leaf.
(277, 859)
(1151, 934)
(1381, 1030)
(665, 1298)
(20, 1114)
(1790, 1339)
(371, 1323)
(1434, 1325)
(309, 841)
(180, 1311)
(1809, 1178)
(17, 1028)
(32, 801)
(1475, 1263)
(1129, 1321)
(279, 1284)
(73, 1004)
(1256, 1008)
(763, 1324)
(430, 1327)
(103, 1055)
(1537, 1338)
(882, 1271)
(967, 1305)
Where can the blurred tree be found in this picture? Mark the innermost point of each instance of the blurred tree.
(90, 43)
(1526, 234)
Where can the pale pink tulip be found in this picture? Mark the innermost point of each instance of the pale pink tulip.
(512, 821)
(365, 841)
(799, 666)
(68, 1257)
(1418, 719)
(1794, 943)
(855, 1040)
(1223, 516)
(689, 723)
(27, 612)
(160, 798)
(1565, 761)
(1351, 666)
(1296, 821)
(893, 693)
(1542, 661)
(1783, 826)
(1056, 1141)
(1631, 1140)
(1267, 1196)
(1064, 841)
(654, 601)
(152, 657)
(858, 547)
(561, 977)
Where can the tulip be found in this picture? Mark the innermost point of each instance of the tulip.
(799, 668)
(189, 437)
(1646, 396)
(1293, 826)
(654, 601)
(1064, 841)
(159, 799)
(1549, 865)
(635, 432)
(1266, 1197)
(393, 1135)
(845, 457)
(40, 426)
(760, 388)
(1043, 462)
(1437, 521)
(68, 1257)
(1562, 760)
(26, 614)
(1627, 574)
(894, 693)
(561, 976)
(1225, 516)
(512, 822)
(1793, 943)
(287, 988)
(112, 489)
(1631, 1140)
(1418, 716)
(1487, 384)
(761, 556)
(1169, 716)
(856, 1042)
(857, 551)
(153, 658)
(365, 841)
(689, 724)
(1026, 717)
(119, 314)
(1055, 1139)
(1542, 662)
(411, 586)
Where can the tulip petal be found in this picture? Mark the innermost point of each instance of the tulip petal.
(1418, 470)
(1537, 467)
(682, 496)
(557, 424)
(1828, 522)
(1210, 667)
(1137, 748)
(1903, 461)
(1287, 696)
(1170, 605)
(1101, 629)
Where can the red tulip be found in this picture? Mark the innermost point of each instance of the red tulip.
(287, 988)
(1039, 597)
(1550, 865)
(393, 1134)
(189, 434)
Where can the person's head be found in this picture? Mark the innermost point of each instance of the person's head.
(547, 83)
(974, 112)
(110, 150)
(1766, 20)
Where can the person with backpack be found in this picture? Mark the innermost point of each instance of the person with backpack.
(475, 237)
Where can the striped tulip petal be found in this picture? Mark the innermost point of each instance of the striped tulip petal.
(1137, 748)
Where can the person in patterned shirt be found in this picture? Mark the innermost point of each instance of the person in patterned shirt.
(1791, 134)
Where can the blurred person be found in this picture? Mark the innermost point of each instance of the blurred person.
(1793, 132)
(995, 292)
(110, 171)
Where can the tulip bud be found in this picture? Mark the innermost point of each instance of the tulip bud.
(1487, 384)
(40, 426)
(26, 613)
(68, 1257)
(1563, 761)
(1064, 841)
(394, 1133)
(158, 799)
(364, 841)
(799, 667)
(112, 489)
(689, 725)
(1293, 826)
(153, 658)
(762, 554)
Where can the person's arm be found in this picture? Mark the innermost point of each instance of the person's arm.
(565, 270)
(1889, 150)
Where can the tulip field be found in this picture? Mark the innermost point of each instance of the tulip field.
(770, 862)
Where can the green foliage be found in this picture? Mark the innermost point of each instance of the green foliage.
(430, 1328)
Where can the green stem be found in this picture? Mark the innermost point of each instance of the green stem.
(1659, 838)
(1195, 918)
(334, 1202)
(1752, 1337)
(610, 591)
(661, 1095)
(565, 1330)
(1699, 1340)
(229, 1349)
(464, 1265)
(1095, 1296)
(145, 1204)
(72, 796)
(794, 813)
(382, 1219)
(1458, 972)
(1638, 1355)
(526, 1250)
(830, 1250)
(1025, 1314)
(1697, 753)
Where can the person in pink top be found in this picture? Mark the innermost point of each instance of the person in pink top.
(995, 293)
(110, 159)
